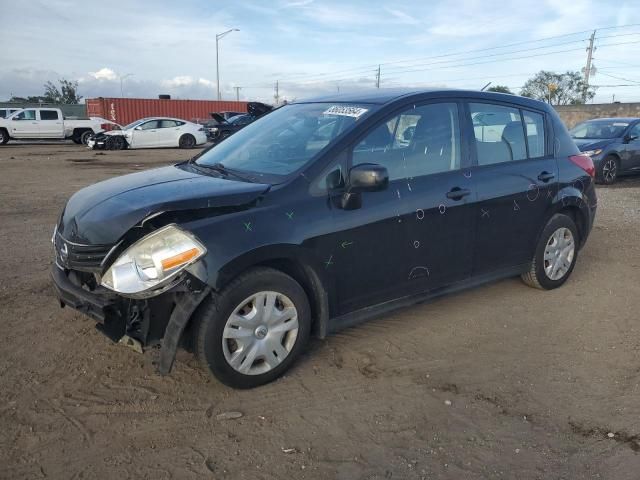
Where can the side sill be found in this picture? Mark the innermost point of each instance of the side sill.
(359, 316)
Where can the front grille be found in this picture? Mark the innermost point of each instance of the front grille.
(84, 258)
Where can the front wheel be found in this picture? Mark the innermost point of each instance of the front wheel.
(608, 171)
(252, 332)
(555, 255)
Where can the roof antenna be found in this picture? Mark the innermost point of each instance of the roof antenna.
(482, 89)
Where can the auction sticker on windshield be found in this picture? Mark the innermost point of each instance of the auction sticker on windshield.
(345, 111)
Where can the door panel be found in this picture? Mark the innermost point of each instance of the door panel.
(147, 136)
(514, 191)
(50, 125)
(25, 125)
(632, 151)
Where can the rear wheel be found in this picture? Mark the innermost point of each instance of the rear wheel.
(608, 171)
(4, 136)
(555, 255)
(84, 136)
(253, 331)
(187, 141)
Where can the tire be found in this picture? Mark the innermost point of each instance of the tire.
(274, 351)
(4, 136)
(115, 142)
(187, 141)
(607, 172)
(76, 140)
(84, 136)
(541, 272)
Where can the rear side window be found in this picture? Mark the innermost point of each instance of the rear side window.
(535, 133)
(48, 115)
(168, 124)
(419, 141)
(499, 133)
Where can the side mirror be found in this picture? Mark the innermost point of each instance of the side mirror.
(138, 128)
(366, 177)
(629, 138)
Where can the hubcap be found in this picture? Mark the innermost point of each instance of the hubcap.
(558, 254)
(260, 333)
(609, 170)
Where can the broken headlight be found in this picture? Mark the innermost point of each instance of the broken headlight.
(153, 261)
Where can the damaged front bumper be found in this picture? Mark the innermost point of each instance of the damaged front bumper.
(159, 320)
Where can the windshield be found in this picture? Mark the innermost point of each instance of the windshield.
(599, 129)
(286, 139)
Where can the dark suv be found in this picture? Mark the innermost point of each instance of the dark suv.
(322, 214)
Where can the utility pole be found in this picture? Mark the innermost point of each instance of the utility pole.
(276, 95)
(237, 93)
(587, 68)
(378, 78)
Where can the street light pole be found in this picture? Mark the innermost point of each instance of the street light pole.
(122, 77)
(218, 38)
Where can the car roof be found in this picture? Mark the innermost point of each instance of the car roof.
(381, 96)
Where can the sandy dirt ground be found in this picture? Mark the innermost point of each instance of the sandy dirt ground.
(499, 382)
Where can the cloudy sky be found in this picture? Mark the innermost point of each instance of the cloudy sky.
(311, 46)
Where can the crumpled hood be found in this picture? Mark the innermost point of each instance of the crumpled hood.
(585, 144)
(102, 213)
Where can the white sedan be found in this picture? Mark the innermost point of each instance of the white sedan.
(151, 133)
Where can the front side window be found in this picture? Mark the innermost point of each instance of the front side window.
(499, 133)
(535, 133)
(419, 141)
(634, 133)
(285, 140)
(150, 125)
(48, 115)
(26, 115)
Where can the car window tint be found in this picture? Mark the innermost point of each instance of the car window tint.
(179, 124)
(420, 141)
(149, 125)
(498, 132)
(26, 115)
(48, 115)
(168, 123)
(635, 131)
(535, 133)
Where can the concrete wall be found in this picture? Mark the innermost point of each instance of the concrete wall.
(573, 114)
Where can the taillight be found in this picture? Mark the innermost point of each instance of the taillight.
(201, 129)
(585, 163)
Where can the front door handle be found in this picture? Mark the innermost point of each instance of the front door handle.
(457, 193)
(545, 176)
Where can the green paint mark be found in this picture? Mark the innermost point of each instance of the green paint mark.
(329, 262)
(247, 227)
(289, 214)
(346, 244)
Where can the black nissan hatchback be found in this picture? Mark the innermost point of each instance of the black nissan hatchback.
(319, 215)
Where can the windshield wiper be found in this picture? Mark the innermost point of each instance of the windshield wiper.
(218, 167)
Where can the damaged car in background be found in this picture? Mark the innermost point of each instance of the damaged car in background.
(154, 132)
(320, 215)
(227, 126)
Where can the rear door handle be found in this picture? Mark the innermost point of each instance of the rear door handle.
(545, 176)
(457, 193)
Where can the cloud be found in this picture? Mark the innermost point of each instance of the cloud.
(104, 74)
(403, 17)
(297, 3)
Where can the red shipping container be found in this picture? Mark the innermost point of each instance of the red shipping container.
(127, 110)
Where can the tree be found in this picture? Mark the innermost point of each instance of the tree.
(558, 88)
(67, 94)
(499, 89)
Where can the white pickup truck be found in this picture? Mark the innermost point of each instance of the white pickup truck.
(47, 123)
